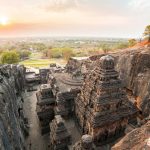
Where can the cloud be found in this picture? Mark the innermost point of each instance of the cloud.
(61, 5)
(140, 4)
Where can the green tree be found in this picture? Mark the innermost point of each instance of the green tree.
(132, 42)
(147, 32)
(67, 53)
(55, 53)
(64, 52)
(1, 51)
(46, 51)
(105, 47)
(24, 54)
(39, 47)
(10, 57)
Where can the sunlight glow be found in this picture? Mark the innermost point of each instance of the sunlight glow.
(4, 20)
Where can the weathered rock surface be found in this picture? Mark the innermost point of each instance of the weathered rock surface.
(86, 143)
(138, 139)
(11, 115)
(77, 63)
(134, 70)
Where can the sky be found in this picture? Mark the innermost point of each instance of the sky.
(97, 18)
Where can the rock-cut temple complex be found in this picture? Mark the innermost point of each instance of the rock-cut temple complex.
(102, 108)
(89, 104)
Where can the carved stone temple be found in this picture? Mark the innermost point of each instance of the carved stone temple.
(102, 108)
(86, 105)
(59, 136)
(65, 89)
(45, 106)
(86, 143)
(43, 75)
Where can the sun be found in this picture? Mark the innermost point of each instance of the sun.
(4, 20)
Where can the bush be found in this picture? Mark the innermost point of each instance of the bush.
(65, 53)
(132, 42)
(10, 57)
(105, 47)
(24, 54)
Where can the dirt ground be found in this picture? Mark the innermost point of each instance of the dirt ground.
(35, 141)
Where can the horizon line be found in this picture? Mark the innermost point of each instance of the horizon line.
(68, 36)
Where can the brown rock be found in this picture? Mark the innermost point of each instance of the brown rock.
(138, 139)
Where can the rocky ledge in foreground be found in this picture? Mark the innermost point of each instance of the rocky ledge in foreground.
(138, 139)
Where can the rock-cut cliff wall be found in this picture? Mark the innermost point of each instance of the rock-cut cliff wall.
(134, 69)
(11, 118)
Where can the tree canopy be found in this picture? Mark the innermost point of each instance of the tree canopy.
(24, 54)
(147, 32)
(55, 53)
(65, 52)
(10, 57)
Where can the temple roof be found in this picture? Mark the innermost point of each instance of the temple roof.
(65, 83)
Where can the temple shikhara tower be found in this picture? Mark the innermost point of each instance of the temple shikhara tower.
(102, 108)
(59, 136)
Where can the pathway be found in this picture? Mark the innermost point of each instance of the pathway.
(35, 140)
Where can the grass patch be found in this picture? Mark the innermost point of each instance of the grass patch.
(36, 55)
(38, 63)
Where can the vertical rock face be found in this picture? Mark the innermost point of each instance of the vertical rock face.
(134, 69)
(102, 109)
(11, 120)
(59, 136)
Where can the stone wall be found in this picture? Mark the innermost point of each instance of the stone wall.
(11, 116)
